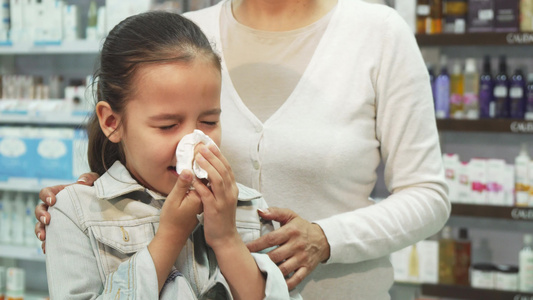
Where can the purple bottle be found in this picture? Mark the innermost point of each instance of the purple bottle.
(442, 92)
(517, 101)
(529, 97)
(501, 90)
(487, 107)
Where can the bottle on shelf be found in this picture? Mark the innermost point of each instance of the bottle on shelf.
(442, 91)
(446, 256)
(501, 90)
(481, 252)
(17, 219)
(435, 17)
(422, 16)
(517, 103)
(29, 223)
(525, 265)
(5, 217)
(432, 78)
(414, 267)
(457, 92)
(487, 107)
(529, 97)
(521, 176)
(463, 254)
(471, 90)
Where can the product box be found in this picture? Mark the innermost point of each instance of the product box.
(54, 154)
(477, 171)
(495, 180)
(71, 23)
(464, 183)
(118, 10)
(417, 263)
(480, 15)
(506, 15)
(526, 15)
(509, 186)
(80, 147)
(16, 159)
(451, 165)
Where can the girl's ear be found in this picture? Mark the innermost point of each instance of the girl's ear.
(109, 121)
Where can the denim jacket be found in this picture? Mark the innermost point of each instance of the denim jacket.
(96, 245)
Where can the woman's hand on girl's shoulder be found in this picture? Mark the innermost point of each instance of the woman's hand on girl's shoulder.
(48, 196)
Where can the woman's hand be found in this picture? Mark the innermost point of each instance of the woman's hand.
(220, 200)
(302, 245)
(48, 197)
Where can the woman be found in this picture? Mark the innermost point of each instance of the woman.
(316, 94)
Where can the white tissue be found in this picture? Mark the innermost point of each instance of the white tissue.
(185, 153)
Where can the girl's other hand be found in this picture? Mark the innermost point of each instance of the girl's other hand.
(220, 199)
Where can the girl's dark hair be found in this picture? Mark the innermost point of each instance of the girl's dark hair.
(151, 37)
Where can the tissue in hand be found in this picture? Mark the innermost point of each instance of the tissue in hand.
(185, 153)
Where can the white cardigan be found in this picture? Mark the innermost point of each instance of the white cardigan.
(365, 96)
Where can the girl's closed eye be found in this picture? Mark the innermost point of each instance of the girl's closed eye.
(169, 127)
(210, 123)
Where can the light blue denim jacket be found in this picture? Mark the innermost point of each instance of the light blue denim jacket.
(96, 245)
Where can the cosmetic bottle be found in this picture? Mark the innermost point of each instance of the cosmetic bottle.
(471, 90)
(432, 78)
(456, 92)
(5, 217)
(442, 91)
(29, 223)
(501, 90)
(525, 265)
(17, 220)
(414, 266)
(446, 256)
(463, 254)
(487, 108)
(517, 100)
(422, 16)
(529, 97)
(435, 17)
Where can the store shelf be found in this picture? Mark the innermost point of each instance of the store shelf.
(486, 125)
(41, 48)
(469, 293)
(511, 213)
(30, 185)
(63, 118)
(33, 253)
(476, 39)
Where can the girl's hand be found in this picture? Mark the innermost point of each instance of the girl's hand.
(220, 200)
(178, 214)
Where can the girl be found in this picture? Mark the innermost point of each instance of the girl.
(136, 233)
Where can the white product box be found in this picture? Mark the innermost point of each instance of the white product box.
(451, 166)
(478, 180)
(71, 23)
(428, 251)
(418, 263)
(80, 147)
(399, 261)
(118, 10)
(49, 16)
(495, 179)
(509, 185)
(464, 183)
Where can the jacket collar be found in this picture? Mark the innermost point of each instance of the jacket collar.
(117, 181)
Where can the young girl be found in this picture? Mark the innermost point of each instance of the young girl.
(136, 233)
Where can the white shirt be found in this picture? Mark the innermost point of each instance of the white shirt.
(364, 97)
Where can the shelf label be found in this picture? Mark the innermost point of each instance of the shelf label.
(519, 38)
(521, 126)
(522, 214)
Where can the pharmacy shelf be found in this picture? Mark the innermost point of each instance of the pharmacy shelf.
(509, 213)
(30, 185)
(33, 253)
(58, 47)
(469, 293)
(486, 125)
(61, 118)
(476, 39)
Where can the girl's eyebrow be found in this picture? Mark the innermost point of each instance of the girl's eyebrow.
(166, 116)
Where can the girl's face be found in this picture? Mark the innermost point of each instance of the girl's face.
(170, 101)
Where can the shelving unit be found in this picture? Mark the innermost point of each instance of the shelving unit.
(33, 253)
(469, 293)
(476, 39)
(59, 47)
(486, 125)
